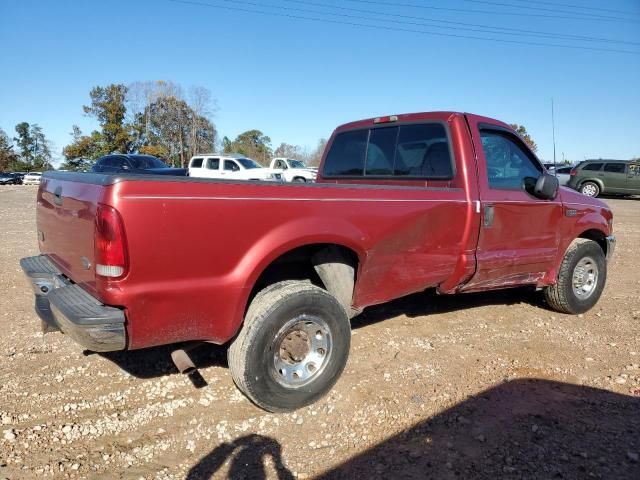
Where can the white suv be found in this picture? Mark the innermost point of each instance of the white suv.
(231, 166)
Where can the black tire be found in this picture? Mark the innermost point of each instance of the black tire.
(590, 189)
(285, 312)
(300, 180)
(562, 296)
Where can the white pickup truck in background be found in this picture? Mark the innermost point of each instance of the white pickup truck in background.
(293, 170)
(230, 165)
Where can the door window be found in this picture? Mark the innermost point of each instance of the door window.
(509, 165)
(592, 167)
(113, 162)
(213, 163)
(615, 167)
(231, 166)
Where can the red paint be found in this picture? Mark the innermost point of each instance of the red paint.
(195, 250)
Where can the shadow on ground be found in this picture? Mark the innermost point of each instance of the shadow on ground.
(247, 457)
(156, 362)
(428, 302)
(531, 429)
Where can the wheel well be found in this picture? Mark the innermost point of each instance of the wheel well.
(298, 264)
(597, 236)
(592, 180)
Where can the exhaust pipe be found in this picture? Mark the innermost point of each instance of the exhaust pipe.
(183, 361)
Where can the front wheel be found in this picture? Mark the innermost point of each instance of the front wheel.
(292, 347)
(590, 189)
(581, 279)
(300, 180)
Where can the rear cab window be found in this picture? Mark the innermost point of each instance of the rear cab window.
(196, 163)
(401, 152)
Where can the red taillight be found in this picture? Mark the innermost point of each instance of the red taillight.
(573, 172)
(110, 243)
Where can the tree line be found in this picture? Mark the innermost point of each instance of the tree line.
(155, 118)
(158, 118)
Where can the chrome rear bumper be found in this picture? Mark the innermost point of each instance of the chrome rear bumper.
(66, 307)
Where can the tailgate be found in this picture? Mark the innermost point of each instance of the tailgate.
(65, 218)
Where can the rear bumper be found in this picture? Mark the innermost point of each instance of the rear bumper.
(611, 246)
(66, 307)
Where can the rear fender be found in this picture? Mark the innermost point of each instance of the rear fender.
(287, 237)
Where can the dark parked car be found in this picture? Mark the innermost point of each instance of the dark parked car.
(611, 177)
(119, 163)
(10, 179)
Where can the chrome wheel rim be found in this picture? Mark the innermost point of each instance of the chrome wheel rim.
(589, 190)
(301, 351)
(585, 278)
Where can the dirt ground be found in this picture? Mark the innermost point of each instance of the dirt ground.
(474, 386)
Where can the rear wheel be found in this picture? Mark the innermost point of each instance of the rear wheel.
(590, 189)
(300, 180)
(581, 279)
(292, 347)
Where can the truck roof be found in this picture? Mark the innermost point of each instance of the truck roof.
(441, 116)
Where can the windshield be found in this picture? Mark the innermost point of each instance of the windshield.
(248, 163)
(146, 161)
(297, 164)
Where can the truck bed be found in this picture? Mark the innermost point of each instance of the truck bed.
(197, 246)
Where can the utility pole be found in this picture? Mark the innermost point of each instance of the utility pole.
(553, 130)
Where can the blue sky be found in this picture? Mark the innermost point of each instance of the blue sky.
(297, 79)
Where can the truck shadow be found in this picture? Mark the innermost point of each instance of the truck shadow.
(156, 361)
(428, 302)
(529, 428)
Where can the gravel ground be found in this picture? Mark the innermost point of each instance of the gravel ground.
(474, 386)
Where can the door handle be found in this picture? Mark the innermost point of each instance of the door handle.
(489, 213)
(57, 196)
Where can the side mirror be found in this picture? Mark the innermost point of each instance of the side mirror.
(546, 187)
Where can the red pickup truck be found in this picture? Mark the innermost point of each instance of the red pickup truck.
(403, 203)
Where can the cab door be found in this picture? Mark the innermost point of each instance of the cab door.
(614, 177)
(519, 233)
(633, 179)
(212, 167)
(231, 170)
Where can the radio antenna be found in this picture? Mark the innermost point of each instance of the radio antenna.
(553, 131)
